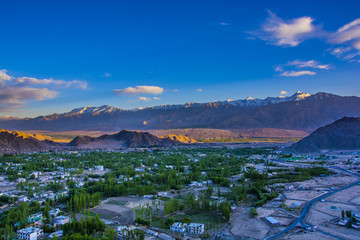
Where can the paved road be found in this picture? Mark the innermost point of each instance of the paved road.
(308, 206)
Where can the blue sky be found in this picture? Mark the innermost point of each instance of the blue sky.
(59, 55)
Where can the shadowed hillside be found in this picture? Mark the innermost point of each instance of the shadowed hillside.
(343, 134)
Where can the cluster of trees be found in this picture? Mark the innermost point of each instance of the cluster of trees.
(7, 200)
(19, 215)
(82, 200)
(90, 226)
(148, 211)
(172, 206)
(226, 210)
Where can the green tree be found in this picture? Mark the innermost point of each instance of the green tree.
(226, 210)
(186, 220)
(169, 222)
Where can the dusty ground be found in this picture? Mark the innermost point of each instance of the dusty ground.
(300, 234)
(290, 202)
(322, 212)
(327, 182)
(302, 195)
(243, 225)
(351, 195)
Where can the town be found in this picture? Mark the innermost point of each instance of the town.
(183, 193)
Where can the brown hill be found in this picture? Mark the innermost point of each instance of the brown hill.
(28, 135)
(125, 138)
(343, 134)
(18, 142)
(179, 138)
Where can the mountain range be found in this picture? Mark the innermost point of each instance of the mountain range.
(343, 134)
(300, 111)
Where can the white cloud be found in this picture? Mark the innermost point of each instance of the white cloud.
(290, 69)
(4, 76)
(350, 25)
(107, 74)
(348, 35)
(348, 32)
(175, 90)
(357, 45)
(296, 73)
(16, 91)
(339, 51)
(199, 90)
(224, 23)
(58, 83)
(156, 98)
(143, 99)
(283, 92)
(308, 64)
(279, 69)
(12, 95)
(291, 32)
(140, 90)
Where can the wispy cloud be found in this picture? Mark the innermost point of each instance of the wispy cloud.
(140, 90)
(17, 91)
(291, 68)
(4, 76)
(157, 98)
(143, 99)
(12, 95)
(51, 81)
(223, 23)
(199, 90)
(348, 33)
(348, 36)
(308, 64)
(283, 92)
(296, 73)
(107, 74)
(290, 33)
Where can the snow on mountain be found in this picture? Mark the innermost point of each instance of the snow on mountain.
(93, 110)
(251, 102)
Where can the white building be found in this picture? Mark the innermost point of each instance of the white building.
(29, 233)
(178, 227)
(61, 220)
(100, 167)
(20, 180)
(36, 174)
(164, 194)
(57, 234)
(54, 212)
(139, 169)
(23, 199)
(196, 228)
